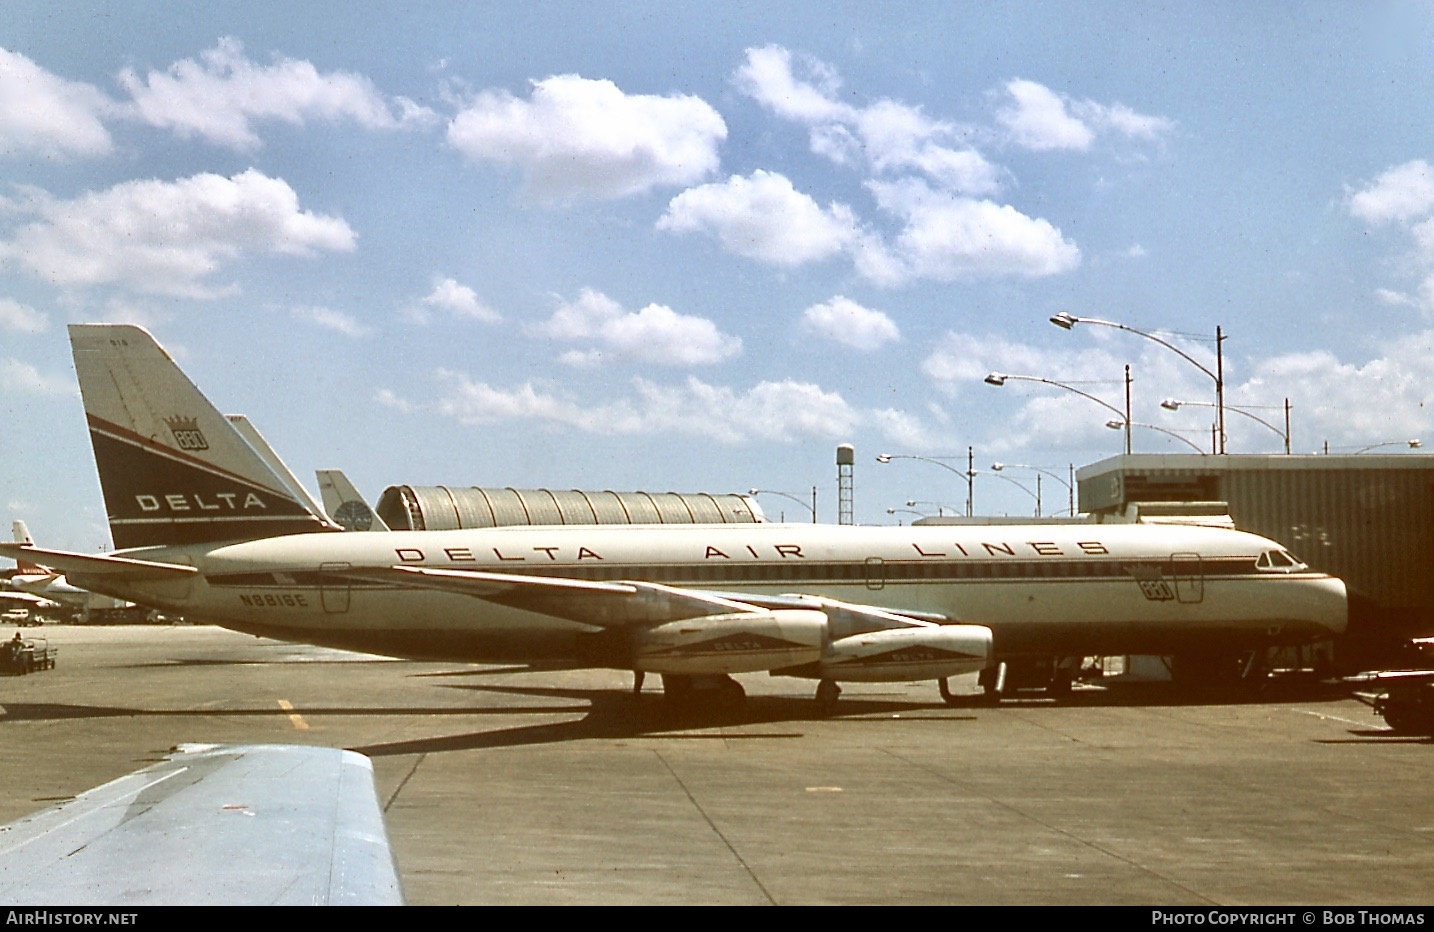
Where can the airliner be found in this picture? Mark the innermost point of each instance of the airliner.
(40, 581)
(207, 527)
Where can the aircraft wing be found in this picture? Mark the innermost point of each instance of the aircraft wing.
(211, 825)
(97, 564)
(630, 602)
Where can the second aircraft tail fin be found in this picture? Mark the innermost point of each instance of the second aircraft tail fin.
(345, 505)
(172, 468)
(26, 567)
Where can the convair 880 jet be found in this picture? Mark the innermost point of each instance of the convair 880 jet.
(206, 528)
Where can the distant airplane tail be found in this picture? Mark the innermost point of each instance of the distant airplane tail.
(345, 505)
(173, 469)
(26, 567)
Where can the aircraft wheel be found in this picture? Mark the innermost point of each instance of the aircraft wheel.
(827, 693)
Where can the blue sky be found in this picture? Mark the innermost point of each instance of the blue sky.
(694, 247)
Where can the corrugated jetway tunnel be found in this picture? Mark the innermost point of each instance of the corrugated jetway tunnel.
(443, 508)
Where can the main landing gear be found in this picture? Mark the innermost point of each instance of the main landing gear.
(827, 693)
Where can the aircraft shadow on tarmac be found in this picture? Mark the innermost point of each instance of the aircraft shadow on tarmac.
(607, 713)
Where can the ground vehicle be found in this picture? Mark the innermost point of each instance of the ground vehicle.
(19, 656)
(1407, 704)
(1405, 698)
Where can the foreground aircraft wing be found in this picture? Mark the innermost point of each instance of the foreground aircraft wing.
(211, 825)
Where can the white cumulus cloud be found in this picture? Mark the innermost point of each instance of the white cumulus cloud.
(949, 237)
(777, 411)
(580, 138)
(763, 217)
(24, 378)
(655, 334)
(1040, 119)
(41, 112)
(1404, 192)
(221, 96)
(330, 319)
(886, 135)
(167, 238)
(460, 301)
(1403, 196)
(21, 317)
(847, 322)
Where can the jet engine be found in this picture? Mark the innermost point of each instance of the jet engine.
(905, 654)
(741, 642)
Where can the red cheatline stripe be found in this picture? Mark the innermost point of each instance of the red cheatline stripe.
(125, 435)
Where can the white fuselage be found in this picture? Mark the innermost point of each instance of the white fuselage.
(1041, 589)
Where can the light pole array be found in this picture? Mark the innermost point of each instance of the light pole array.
(1068, 321)
(1117, 425)
(999, 379)
(1172, 404)
(968, 474)
(1042, 471)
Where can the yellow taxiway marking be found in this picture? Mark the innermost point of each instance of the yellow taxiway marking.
(294, 717)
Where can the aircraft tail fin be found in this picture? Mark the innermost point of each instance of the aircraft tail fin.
(26, 567)
(173, 470)
(345, 505)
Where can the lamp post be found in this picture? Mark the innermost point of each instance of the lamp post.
(1117, 425)
(1412, 444)
(1041, 471)
(940, 506)
(1068, 321)
(968, 474)
(811, 508)
(999, 379)
(1171, 404)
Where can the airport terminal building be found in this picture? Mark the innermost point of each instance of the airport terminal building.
(1368, 519)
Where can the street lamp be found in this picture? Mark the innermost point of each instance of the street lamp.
(1041, 471)
(999, 379)
(1412, 444)
(940, 506)
(967, 474)
(1117, 425)
(1171, 404)
(812, 507)
(1068, 321)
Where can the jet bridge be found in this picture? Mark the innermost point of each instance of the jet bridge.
(443, 508)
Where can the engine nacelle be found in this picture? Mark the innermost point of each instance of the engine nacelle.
(742, 642)
(906, 654)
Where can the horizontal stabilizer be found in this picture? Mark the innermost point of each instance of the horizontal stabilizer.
(98, 564)
(266, 825)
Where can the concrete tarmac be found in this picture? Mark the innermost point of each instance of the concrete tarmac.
(504, 787)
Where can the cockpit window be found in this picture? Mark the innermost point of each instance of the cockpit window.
(1279, 561)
